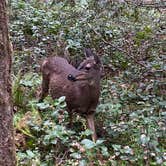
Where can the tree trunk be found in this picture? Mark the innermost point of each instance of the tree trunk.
(7, 148)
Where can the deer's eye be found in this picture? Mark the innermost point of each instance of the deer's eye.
(87, 68)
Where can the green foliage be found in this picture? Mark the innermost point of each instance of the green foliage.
(50, 141)
(130, 119)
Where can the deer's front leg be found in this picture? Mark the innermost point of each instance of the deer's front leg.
(91, 125)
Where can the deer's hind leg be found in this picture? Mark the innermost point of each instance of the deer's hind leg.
(44, 87)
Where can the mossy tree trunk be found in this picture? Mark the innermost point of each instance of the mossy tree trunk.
(7, 148)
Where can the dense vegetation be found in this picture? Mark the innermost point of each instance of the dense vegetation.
(131, 118)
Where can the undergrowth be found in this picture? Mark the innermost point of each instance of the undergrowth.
(130, 118)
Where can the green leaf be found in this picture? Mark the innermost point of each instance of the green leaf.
(21, 155)
(128, 150)
(42, 106)
(98, 142)
(54, 142)
(144, 139)
(61, 99)
(30, 153)
(26, 83)
(76, 155)
(83, 163)
(104, 151)
(88, 143)
(87, 132)
(116, 147)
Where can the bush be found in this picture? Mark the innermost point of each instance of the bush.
(130, 118)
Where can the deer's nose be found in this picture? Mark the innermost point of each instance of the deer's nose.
(71, 78)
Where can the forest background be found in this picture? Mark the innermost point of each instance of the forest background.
(129, 36)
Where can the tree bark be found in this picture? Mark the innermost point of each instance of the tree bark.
(7, 148)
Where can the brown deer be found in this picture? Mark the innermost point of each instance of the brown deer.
(80, 86)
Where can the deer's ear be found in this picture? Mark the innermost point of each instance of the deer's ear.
(88, 52)
(97, 59)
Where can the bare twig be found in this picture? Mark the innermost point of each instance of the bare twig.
(62, 158)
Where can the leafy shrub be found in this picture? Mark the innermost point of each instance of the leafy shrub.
(130, 118)
(50, 141)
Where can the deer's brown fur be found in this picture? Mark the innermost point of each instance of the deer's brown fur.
(80, 86)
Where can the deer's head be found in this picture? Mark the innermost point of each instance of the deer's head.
(90, 69)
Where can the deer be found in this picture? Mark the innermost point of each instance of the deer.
(80, 86)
